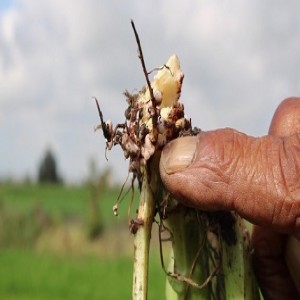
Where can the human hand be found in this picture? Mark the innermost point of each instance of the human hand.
(259, 178)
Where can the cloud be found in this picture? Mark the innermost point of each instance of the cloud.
(239, 59)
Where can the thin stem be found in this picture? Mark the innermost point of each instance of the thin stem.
(141, 57)
(142, 241)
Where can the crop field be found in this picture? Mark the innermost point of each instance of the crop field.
(46, 253)
(58, 200)
(25, 274)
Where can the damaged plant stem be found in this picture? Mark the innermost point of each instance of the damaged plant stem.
(202, 243)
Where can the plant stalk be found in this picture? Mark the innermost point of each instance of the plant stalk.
(239, 278)
(188, 267)
(142, 238)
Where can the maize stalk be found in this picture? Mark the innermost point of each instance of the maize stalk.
(142, 240)
(210, 257)
(239, 279)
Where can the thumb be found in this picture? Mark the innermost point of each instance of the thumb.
(228, 170)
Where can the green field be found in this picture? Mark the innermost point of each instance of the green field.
(59, 261)
(59, 200)
(27, 275)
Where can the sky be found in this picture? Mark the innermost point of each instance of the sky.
(240, 60)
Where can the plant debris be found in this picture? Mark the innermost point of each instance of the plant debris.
(149, 124)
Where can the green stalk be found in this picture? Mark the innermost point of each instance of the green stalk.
(188, 268)
(142, 240)
(239, 279)
(222, 262)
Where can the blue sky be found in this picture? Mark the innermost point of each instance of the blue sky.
(240, 59)
(5, 4)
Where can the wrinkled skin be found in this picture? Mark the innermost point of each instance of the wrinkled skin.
(257, 177)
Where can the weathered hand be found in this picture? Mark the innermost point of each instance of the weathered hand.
(257, 177)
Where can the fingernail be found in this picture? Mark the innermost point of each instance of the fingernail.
(179, 154)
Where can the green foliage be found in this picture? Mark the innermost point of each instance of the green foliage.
(97, 184)
(94, 224)
(22, 229)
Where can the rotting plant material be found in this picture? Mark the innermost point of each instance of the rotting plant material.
(141, 135)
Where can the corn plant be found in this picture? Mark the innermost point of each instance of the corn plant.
(210, 251)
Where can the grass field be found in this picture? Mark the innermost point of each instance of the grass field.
(59, 200)
(27, 275)
(62, 263)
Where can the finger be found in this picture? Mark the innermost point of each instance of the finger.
(269, 260)
(292, 257)
(270, 267)
(225, 169)
(286, 120)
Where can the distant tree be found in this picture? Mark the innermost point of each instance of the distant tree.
(48, 169)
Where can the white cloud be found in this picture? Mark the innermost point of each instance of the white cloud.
(239, 59)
